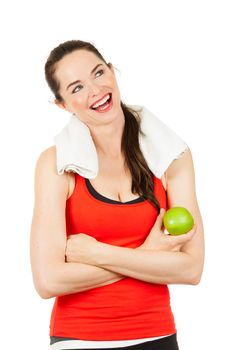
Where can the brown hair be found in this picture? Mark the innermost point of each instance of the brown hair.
(142, 177)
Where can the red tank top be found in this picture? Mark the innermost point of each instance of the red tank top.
(126, 309)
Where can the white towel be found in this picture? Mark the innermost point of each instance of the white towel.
(76, 150)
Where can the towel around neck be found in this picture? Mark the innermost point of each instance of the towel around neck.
(75, 148)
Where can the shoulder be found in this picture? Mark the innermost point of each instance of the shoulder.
(46, 174)
(181, 165)
(46, 160)
(48, 153)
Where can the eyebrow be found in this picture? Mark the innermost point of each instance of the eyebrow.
(78, 81)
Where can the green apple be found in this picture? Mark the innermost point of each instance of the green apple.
(178, 220)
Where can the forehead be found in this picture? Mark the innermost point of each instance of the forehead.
(76, 65)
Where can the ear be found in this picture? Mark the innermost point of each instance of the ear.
(110, 66)
(60, 104)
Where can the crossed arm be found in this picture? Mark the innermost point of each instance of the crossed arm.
(91, 263)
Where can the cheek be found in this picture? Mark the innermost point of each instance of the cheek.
(77, 104)
(114, 85)
(112, 81)
(109, 80)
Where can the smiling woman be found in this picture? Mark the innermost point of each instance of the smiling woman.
(103, 254)
(93, 85)
(78, 61)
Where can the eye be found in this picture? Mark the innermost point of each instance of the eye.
(78, 86)
(100, 71)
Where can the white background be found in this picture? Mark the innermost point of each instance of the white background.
(175, 58)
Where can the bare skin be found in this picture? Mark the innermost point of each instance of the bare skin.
(99, 185)
(159, 260)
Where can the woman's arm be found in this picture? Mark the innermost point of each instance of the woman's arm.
(185, 266)
(52, 275)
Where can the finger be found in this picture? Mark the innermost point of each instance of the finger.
(192, 231)
(159, 219)
(162, 211)
(185, 237)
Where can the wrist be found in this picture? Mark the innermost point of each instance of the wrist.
(98, 254)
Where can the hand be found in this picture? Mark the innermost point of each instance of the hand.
(81, 248)
(158, 240)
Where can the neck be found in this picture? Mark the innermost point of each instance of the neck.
(107, 138)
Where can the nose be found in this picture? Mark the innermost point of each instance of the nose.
(94, 89)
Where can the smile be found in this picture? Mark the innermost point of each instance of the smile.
(103, 105)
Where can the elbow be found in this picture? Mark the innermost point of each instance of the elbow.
(46, 283)
(195, 278)
(45, 295)
(195, 281)
(44, 289)
(194, 272)
(44, 292)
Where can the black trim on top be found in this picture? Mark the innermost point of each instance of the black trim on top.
(166, 343)
(54, 340)
(99, 196)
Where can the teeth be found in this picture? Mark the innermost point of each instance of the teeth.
(101, 102)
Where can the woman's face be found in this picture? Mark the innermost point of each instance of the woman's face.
(85, 79)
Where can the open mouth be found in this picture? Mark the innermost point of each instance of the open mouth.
(105, 106)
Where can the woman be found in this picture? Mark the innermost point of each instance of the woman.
(99, 246)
